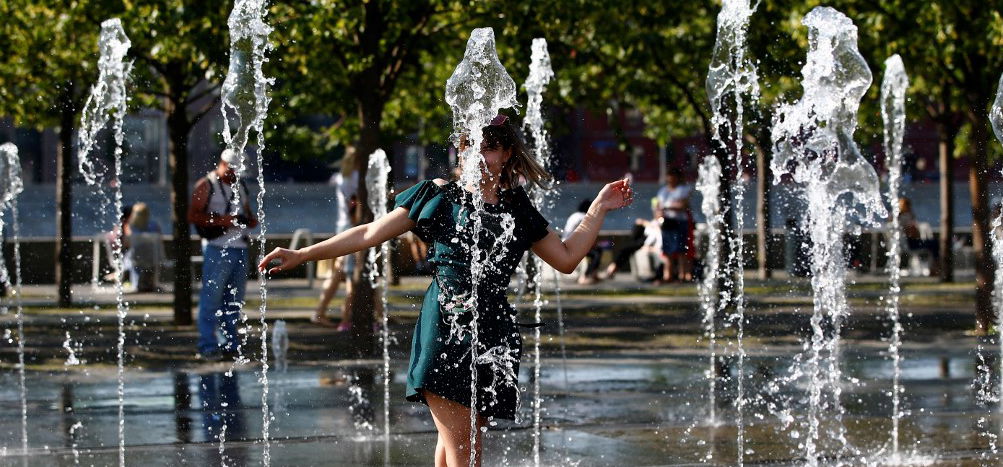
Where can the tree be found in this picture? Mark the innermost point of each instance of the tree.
(44, 82)
(656, 57)
(953, 64)
(379, 66)
(181, 50)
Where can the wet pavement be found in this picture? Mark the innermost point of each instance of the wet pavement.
(633, 391)
(604, 410)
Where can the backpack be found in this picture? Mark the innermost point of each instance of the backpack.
(211, 232)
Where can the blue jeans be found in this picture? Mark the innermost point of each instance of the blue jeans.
(224, 280)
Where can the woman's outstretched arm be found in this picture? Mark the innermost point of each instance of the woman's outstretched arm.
(355, 239)
(565, 256)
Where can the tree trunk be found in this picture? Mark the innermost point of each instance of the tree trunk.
(729, 264)
(364, 300)
(178, 126)
(979, 186)
(947, 132)
(64, 197)
(764, 180)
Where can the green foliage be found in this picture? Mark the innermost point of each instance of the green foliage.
(181, 50)
(50, 56)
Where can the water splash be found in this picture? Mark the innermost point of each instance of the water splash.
(893, 89)
(71, 350)
(107, 98)
(478, 87)
(74, 435)
(731, 80)
(813, 145)
(106, 103)
(377, 185)
(280, 345)
(11, 185)
(244, 106)
(244, 95)
(540, 74)
(709, 186)
(996, 119)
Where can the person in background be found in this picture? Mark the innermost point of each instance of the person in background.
(591, 275)
(673, 203)
(139, 267)
(120, 232)
(915, 241)
(346, 183)
(224, 251)
(634, 243)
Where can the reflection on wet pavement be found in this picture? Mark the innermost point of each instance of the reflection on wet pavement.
(615, 411)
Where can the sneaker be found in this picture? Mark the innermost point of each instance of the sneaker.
(322, 321)
(344, 327)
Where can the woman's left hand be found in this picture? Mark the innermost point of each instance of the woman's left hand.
(616, 195)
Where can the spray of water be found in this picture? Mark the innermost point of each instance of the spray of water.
(11, 185)
(244, 105)
(709, 185)
(478, 87)
(379, 268)
(540, 74)
(731, 80)
(893, 89)
(280, 346)
(996, 119)
(813, 145)
(106, 103)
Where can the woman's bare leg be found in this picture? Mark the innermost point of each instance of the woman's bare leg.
(440, 453)
(452, 420)
(330, 290)
(346, 309)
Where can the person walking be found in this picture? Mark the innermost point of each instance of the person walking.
(222, 217)
(346, 183)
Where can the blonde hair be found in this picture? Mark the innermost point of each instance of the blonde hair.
(350, 161)
(140, 218)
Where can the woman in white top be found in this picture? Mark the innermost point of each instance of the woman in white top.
(346, 185)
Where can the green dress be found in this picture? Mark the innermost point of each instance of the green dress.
(440, 347)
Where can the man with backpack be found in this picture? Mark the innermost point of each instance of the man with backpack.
(222, 217)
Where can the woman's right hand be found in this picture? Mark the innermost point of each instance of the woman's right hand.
(287, 259)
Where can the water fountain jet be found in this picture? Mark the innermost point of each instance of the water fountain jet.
(377, 186)
(11, 185)
(813, 146)
(477, 89)
(106, 103)
(540, 74)
(731, 80)
(709, 186)
(893, 89)
(245, 100)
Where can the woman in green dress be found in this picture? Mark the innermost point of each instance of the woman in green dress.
(440, 213)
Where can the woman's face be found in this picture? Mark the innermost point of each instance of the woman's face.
(495, 157)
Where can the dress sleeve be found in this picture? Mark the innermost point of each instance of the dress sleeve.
(422, 202)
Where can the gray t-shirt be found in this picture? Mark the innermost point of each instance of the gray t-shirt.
(667, 196)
